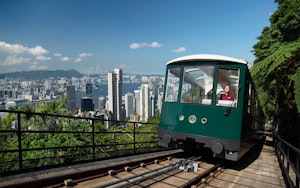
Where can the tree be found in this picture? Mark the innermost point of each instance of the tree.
(276, 70)
(155, 118)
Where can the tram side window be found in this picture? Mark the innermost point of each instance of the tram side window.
(250, 107)
(197, 84)
(172, 85)
(252, 102)
(227, 87)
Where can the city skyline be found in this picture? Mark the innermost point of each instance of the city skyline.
(137, 103)
(136, 36)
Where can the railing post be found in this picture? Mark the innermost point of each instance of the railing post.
(20, 141)
(93, 138)
(134, 124)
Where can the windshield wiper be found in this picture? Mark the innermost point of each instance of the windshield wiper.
(228, 109)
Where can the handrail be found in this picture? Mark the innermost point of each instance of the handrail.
(289, 158)
(90, 147)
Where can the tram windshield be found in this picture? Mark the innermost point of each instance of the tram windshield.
(196, 84)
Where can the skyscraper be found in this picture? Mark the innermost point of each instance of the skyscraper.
(137, 101)
(145, 102)
(101, 104)
(115, 93)
(89, 89)
(129, 104)
(71, 98)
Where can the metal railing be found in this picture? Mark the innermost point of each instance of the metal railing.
(31, 141)
(289, 161)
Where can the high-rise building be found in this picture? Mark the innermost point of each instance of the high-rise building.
(89, 89)
(145, 102)
(159, 100)
(152, 104)
(115, 93)
(137, 101)
(47, 84)
(71, 98)
(101, 104)
(87, 104)
(129, 104)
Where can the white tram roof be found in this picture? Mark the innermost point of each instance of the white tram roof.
(207, 57)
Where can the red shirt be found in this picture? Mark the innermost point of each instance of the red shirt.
(227, 96)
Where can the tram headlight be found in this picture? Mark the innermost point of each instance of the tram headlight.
(203, 120)
(181, 117)
(192, 119)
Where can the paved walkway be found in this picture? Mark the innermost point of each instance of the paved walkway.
(261, 170)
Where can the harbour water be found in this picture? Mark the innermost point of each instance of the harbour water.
(101, 90)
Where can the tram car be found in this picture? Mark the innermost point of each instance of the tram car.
(198, 110)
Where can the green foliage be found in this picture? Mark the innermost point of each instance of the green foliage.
(6, 122)
(155, 119)
(297, 88)
(69, 140)
(276, 68)
(274, 60)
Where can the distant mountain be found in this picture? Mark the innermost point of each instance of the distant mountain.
(42, 74)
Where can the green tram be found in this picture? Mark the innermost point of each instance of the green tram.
(196, 114)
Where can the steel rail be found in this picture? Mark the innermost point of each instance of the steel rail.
(198, 179)
(149, 174)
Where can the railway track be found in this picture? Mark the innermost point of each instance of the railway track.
(162, 169)
(170, 172)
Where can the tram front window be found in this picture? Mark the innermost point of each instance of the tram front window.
(227, 87)
(197, 84)
(172, 86)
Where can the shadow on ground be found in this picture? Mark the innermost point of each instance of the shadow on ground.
(250, 156)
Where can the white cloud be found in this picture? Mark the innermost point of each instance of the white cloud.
(134, 46)
(7, 48)
(155, 45)
(179, 50)
(142, 45)
(11, 48)
(85, 55)
(78, 60)
(15, 54)
(64, 58)
(81, 56)
(43, 58)
(14, 60)
(38, 51)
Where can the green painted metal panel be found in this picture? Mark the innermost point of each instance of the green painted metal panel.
(216, 124)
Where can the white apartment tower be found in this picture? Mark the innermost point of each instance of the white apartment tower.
(115, 93)
(129, 104)
(145, 105)
(136, 101)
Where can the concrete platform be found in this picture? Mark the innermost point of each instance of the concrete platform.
(259, 168)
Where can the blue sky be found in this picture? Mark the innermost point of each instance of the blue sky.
(139, 36)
